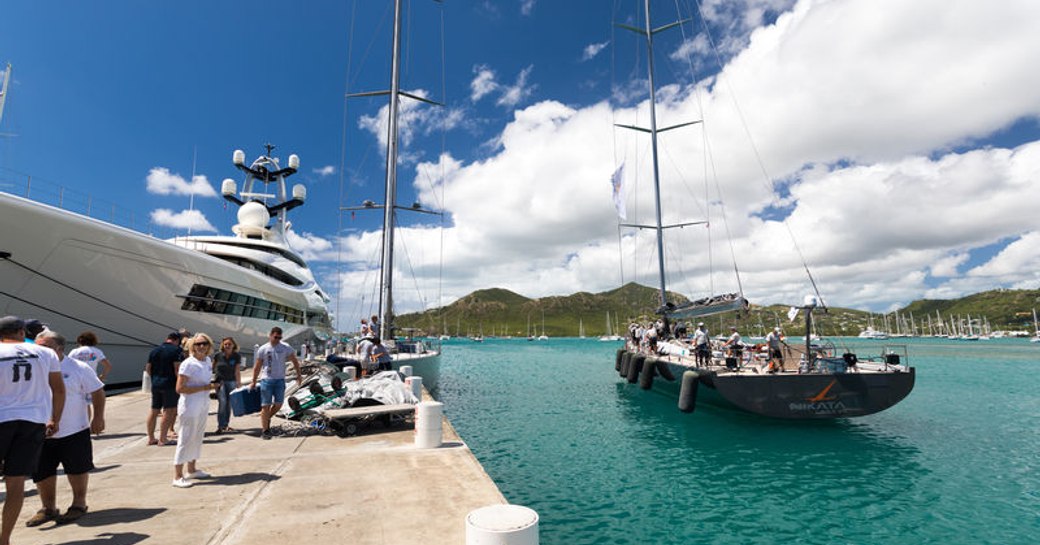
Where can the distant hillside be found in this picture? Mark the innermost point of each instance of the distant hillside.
(500, 312)
(1005, 309)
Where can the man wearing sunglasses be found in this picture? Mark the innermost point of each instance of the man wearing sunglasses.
(270, 370)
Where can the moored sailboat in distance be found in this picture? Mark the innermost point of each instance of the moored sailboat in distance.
(822, 385)
(1036, 329)
(610, 335)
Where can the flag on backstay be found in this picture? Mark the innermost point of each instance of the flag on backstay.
(619, 191)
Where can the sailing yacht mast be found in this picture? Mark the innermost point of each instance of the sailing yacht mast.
(386, 303)
(653, 148)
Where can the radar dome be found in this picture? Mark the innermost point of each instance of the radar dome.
(253, 214)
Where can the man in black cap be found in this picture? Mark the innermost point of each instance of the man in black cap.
(162, 367)
(32, 397)
(32, 329)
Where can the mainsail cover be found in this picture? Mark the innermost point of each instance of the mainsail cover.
(707, 306)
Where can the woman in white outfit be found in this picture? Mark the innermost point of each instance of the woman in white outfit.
(194, 385)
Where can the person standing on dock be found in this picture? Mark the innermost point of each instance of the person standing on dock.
(70, 447)
(701, 344)
(89, 353)
(194, 386)
(32, 398)
(162, 368)
(270, 370)
(227, 372)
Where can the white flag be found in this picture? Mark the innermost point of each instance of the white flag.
(619, 191)
(791, 314)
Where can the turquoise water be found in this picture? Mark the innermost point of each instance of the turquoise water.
(603, 461)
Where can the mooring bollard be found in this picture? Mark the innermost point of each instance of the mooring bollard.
(428, 429)
(502, 525)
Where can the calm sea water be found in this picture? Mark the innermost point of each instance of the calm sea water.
(603, 461)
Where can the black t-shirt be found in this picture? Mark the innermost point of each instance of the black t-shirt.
(224, 366)
(164, 359)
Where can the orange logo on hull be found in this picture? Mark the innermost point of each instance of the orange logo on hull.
(822, 396)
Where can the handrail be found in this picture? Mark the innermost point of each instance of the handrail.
(84, 204)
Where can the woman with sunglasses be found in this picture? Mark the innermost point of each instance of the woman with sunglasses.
(193, 385)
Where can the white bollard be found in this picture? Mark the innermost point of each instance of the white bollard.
(351, 373)
(416, 385)
(428, 424)
(502, 525)
(406, 370)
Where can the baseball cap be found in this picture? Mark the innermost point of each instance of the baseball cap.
(34, 328)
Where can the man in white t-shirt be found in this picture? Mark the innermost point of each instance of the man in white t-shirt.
(701, 340)
(32, 397)
(70, 447)
(270, 370)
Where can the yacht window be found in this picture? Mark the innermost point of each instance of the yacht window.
(215, 300)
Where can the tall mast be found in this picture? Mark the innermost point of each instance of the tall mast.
(653, 147)
(386, 303)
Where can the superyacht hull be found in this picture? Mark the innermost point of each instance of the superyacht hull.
(76, 273)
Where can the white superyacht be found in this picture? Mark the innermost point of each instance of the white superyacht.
(77, 273)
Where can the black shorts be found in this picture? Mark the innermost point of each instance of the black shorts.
(776, 353)
(20, 443)
(74, 453)
(164, 398)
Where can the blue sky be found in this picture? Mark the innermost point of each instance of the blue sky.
(902, 140)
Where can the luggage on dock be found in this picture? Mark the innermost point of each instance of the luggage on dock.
(245, 401)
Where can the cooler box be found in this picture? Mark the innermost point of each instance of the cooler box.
(245, 401)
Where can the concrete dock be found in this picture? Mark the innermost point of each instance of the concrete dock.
(371, 489)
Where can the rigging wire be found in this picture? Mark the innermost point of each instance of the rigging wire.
(343, 164)
(440, 160)
(767, 178)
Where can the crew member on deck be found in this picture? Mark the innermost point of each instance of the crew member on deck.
(776, 355)
(701, 346)
(733, 346)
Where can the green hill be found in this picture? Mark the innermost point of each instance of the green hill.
(501, 312)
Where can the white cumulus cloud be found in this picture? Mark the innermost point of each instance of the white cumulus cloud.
(163, 182)
(185, 219)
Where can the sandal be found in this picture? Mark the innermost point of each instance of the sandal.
(43, 516)
(74, 513)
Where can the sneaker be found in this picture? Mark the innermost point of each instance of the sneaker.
(182, 483)
(198, 475)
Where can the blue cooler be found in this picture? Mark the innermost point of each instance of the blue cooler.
(245, 401)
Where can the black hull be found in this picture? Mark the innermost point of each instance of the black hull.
(791, 396)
